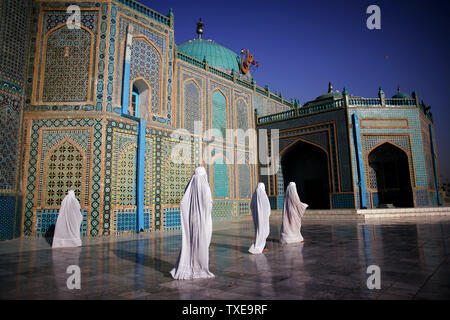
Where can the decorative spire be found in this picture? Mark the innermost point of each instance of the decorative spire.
(171, 18)
(380, 90)
(398, 88)
(345, 91)
(200, 25)
(330, 87)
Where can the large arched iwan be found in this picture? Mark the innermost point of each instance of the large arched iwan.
(390, 176)
(307, 166)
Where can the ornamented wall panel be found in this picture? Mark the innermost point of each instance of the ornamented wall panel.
(266, 106)
(427, 152)
(146, 63)
(56, 149)
(171, 218)
(125, 220)
(281, 188)
(244, 207)
(46, 222)
(7, 217)
(222, 210)
(155, 69)
(220, 180)
(192, 105)
(118, 136)
(219, 112)
(171, 171)
(55, 166)
(9, 140)
(242, 114)
(67, 65)
(342, 201)
(57, 51)
(15, 21)
(422, 197)
(245, 181)
(15, 18)
(191, 101)
(66, 170)
(148, 179)
(177, 169)
(123, 178)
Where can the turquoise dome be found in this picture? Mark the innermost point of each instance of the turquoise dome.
(329, 95)
(401, 95)
(217, 56)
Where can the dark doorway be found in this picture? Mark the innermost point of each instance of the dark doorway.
(390, 168)
(307, 166)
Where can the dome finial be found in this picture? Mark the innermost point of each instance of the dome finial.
(200, 25)
(330, 87)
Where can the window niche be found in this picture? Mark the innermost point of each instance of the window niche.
(140, 99)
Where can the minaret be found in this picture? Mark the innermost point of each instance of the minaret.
(200, 25)
(382, 97)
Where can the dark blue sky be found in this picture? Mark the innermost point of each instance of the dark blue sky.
(302, 45)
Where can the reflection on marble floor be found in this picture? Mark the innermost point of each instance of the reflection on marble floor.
(413, 257)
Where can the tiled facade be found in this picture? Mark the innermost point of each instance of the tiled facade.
(402, 123)
(15, 18)
(409, 139)
(61, 124)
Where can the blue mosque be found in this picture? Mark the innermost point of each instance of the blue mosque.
(99, 109)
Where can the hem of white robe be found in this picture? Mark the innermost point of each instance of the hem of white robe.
(254, 250)
(288, 240)
(188, 274)
(65, 243)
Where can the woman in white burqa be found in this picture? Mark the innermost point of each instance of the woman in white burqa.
(196, 229)
(260, 207)
(67, 229)
(293, 212)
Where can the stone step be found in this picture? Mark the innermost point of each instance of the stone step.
(404, 212)
(375, 213)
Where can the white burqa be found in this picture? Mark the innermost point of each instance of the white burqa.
(67, 229)
(260, 206)
(293, 212)
(196, 229)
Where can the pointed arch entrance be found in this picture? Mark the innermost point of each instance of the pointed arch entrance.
(390, 175)
(307, 165)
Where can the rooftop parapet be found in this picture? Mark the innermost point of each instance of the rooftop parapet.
(165, 20)
(302, 111)
(334, 104)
